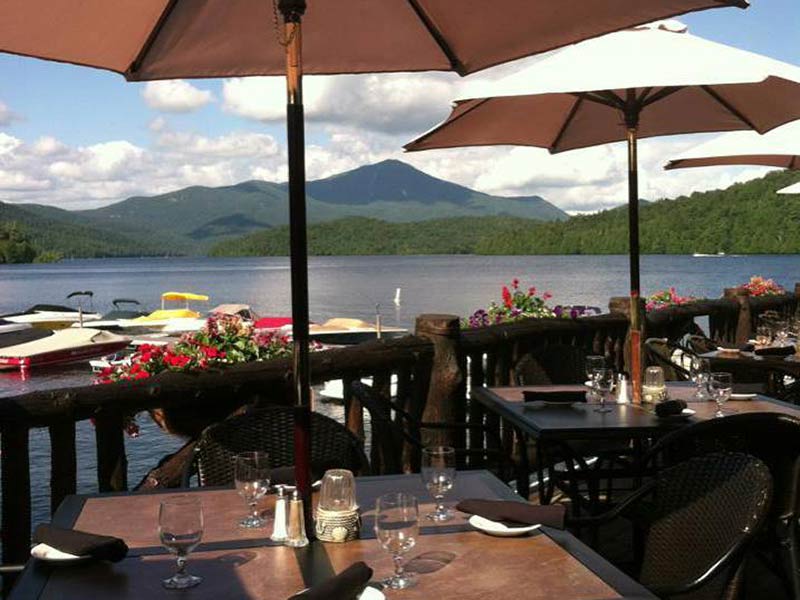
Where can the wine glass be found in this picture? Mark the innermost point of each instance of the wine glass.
(180, 527)
(397, 528)
(603, 383)
(781, 332)
(591, 364)
(721, 387)
(699, 371)
(439, 475)
(252, 475)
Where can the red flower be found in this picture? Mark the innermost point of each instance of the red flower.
(507, 297)
(142, 375)
(531, 291)
(547, 296)
(515, 283)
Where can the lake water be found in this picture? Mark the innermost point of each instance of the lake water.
(339, 286)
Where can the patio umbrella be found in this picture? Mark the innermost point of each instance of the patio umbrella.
(166, 39)
(778, 148)
(792, 189)
(649, 81)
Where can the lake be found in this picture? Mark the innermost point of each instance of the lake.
(342, 287)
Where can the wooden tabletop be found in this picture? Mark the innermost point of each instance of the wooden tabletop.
(452, 561)
(581, 421)
(749, 360)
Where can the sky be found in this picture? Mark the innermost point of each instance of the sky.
(80, 138)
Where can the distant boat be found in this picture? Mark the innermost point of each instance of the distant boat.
(54, 316)
(61, 347)
(348, 332)
(701, 255)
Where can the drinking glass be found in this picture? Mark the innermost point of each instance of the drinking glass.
(591, 364)
(699, 371)
(603, 384)
(439, 476)
(252, 474)
(180, 527)
(338, 491)
(653, 388)
(397, 528)
(721, 387)
(781, 332)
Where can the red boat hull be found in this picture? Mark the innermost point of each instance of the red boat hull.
(61, 357)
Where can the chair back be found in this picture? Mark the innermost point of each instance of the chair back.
(557, 364)
(271, 429)
(661, 352)
(704, 512)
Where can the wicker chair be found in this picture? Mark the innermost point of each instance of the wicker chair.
(661, 352)
(397, 435)
(557, 364)
(703, 514)
(271, 429)
(774, 439)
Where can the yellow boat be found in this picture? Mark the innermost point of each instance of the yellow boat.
(174, 319)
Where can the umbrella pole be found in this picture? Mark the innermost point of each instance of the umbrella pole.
(632, 123)
(292, 11)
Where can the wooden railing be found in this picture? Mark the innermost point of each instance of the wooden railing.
(434, 370)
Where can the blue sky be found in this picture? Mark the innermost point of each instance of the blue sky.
(95, 118)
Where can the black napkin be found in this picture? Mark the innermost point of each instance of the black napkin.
(347, 585)
(747, 347)
(515, 513)
(81, 543)
(670, 408)
(556, 396)
(779, 351)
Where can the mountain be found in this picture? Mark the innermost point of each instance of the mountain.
(746, 218)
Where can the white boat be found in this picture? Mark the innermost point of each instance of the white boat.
(169, 320)
(701, 255)
(12, 334)
(347, 332)
(61, 347)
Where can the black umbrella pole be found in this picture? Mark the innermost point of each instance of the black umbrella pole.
(633, 251)
(292, 11)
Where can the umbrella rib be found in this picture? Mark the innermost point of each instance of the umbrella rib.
(148, 44)
(604, 98)
(437, 36)
(576, 105)
(729, 107)
(661, 94)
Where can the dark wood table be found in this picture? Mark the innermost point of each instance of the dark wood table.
(452, 560)
(769, 369)
(579, 421)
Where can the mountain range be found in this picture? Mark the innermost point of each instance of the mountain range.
(194, 219)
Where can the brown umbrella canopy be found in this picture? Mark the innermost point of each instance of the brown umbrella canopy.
(165, 39)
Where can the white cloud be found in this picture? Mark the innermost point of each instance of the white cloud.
(7, 116)
(236, 144)
(175, 96)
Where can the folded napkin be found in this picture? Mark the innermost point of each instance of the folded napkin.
(779, 351)
(670, 408)
(561, 396)
(515, 513)
(81, 543)
(347, 585)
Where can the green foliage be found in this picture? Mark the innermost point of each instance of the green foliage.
(15, 247)
(746, 218)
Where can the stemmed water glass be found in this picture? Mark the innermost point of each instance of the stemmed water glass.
(721, 386)
(252, 475)
(439, 475)
(180, 527)
(397, 529)
(591, 364)
(603, 383)
(699, 371)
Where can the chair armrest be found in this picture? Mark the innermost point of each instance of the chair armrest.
(11, 569)
(615, 512)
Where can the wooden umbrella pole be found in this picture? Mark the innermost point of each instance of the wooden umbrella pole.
(632, 123)
(292, 11)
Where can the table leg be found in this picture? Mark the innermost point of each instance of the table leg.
(523, 465)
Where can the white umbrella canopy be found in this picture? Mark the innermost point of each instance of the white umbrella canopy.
(777, 148)
(653, 80)
(792, 189)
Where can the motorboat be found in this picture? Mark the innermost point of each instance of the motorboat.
(60, 347)
(12, 334)
(348, 332)
(55, 316)
(115, 319)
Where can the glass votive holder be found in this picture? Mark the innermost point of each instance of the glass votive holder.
(653, 387)
(338, 491)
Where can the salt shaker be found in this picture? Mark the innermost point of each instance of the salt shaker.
(296, 536)
(622, 389)
(279, 526)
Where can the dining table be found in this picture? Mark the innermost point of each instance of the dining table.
(635, 426)
(768, 369)
(452, 560)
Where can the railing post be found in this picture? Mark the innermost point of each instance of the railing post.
(16, 479)
(744, 324)
(63, 462)
(112, 464)
(444, 402)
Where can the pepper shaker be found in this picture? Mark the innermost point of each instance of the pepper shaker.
(296, 536)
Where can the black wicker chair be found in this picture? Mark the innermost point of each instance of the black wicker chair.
(702, 515)
(397, 437)
(773, 438)
(271, 429)
(662, 353)
(556, 364)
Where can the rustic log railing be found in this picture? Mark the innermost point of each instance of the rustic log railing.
(433, 369)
